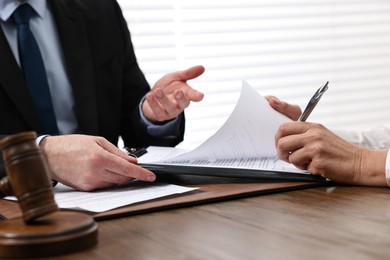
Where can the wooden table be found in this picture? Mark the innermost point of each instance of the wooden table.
(317, 223)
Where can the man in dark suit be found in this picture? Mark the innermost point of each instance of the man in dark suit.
(99, 93)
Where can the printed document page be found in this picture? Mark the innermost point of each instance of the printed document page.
(246, 140)
(107, 199)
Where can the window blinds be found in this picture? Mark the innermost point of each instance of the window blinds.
(286, 48)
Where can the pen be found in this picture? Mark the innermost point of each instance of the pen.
(136, 152)
(313, 102)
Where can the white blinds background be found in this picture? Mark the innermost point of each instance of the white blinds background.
(286, 48)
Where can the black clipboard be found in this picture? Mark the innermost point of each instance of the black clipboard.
(161, 170)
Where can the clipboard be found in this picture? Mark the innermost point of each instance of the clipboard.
(210, 190)
(162, 170)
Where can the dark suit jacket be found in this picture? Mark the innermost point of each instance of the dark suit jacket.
(106, 81)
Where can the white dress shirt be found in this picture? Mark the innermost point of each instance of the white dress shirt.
(374, 138)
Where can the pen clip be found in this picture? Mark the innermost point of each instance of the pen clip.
(136, 152)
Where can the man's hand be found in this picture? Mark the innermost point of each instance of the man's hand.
(171, 95)
(89, 162)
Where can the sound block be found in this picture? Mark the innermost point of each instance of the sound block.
(58, 233)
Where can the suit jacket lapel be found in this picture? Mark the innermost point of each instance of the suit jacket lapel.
(12, 80)
(78, 63)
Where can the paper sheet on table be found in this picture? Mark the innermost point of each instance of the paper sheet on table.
(246, 140)
(104, 200)
(99, 201)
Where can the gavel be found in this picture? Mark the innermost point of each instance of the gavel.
(43, 230)
(27, 177)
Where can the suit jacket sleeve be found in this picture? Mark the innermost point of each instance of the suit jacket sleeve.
(132, 126)
(115, 82)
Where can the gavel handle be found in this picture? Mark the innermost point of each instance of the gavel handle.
(5, 188)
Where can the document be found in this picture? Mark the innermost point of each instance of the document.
(104, 200)
(245, 141)
(108, 199)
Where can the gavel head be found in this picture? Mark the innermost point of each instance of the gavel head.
(27, 175)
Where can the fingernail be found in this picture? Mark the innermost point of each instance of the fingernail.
(179, 95)
(152, 178)
(277, 101)
(159, 93)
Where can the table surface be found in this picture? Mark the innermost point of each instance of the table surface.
(316, 223)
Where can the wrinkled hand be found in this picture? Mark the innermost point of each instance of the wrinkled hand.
(171, 95)
(291, 111)
(89, 162)
(313, 147)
